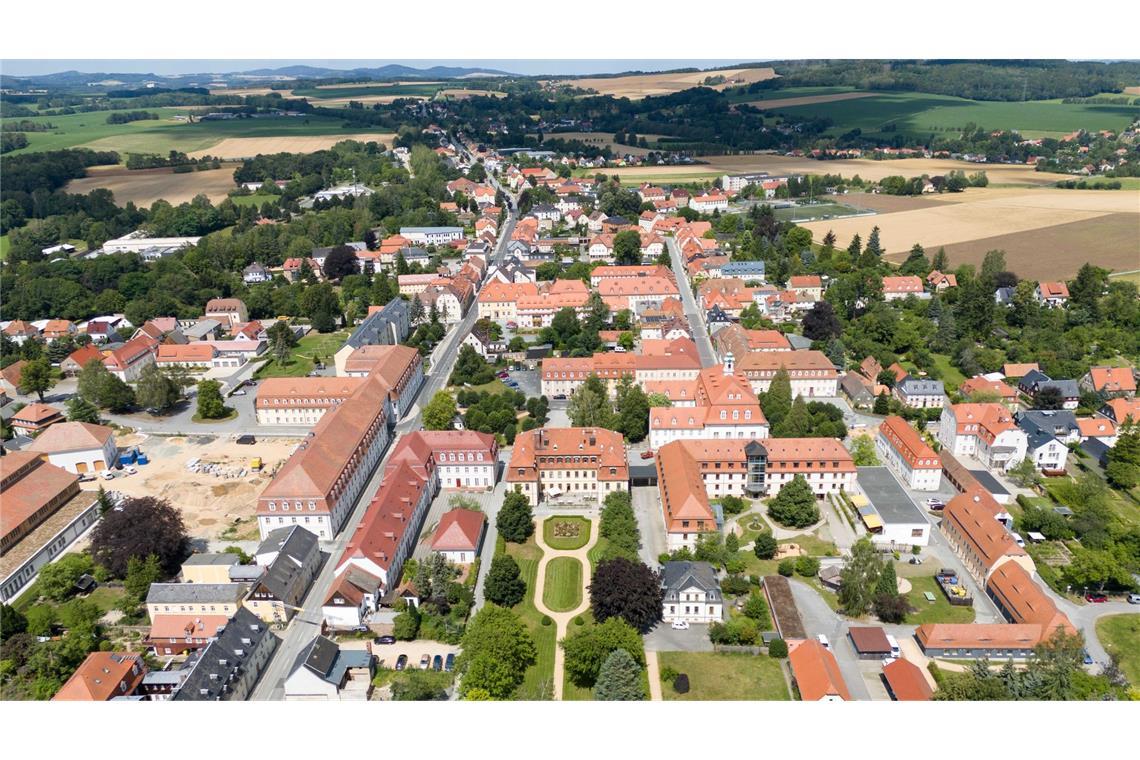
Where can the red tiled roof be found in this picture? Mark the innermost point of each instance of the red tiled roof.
(816, 671)
(907, 682)
(459, 530)
(1112, 379)
(102, 676)
(909, 444)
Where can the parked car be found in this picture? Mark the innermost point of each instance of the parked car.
(512, 326)
(425, 662)
(384, 640)
(559, 396)
(360, 629)
(238, 393)
(1134, 598)
(437, 662)
(246, 440)
(1095, 598)
(449, 663)
(502, 375)
(1087, 659)
(107, 475)
(647, 454)
(401, 662)
(823, 640)
(130, 469)
(680, 625)
(915, 560)
(86, 478)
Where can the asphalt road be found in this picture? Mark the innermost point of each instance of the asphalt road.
(307, 623)
(692, 311)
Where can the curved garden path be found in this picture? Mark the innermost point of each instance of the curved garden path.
(562, 619)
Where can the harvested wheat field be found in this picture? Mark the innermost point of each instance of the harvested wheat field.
(247, 147)
(999, 174)
(640, 85)
(145, 186)
(889, 204)
(243, 91)
(807, 100)
(1132, 90)
(972, 218)
(353, 85)
(1111, 241)
(209, 503)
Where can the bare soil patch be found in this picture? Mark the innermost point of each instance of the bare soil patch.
(640, 85)
(209, 503)
(246, 147)
(885, 204)
(1109, 241)
(807, 100)
(145, 186)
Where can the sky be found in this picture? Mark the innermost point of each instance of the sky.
(33, 67)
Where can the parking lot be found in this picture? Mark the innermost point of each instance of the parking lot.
(387, 655)
(528, 381)
(663, 638)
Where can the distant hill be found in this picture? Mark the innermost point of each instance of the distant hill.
(118, 79)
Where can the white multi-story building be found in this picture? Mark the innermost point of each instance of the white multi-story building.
(985, 432)
(692, 593)
(902, 449)
(431, 235)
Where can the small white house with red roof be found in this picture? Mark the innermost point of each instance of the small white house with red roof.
(460, 535)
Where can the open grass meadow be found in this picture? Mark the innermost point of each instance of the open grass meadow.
(1120, 634)
(720, 676)
(938, 611)
(563, 589)
(923, 113)
(538, 681)
(566, 532)
(300, 362)
(165, 134)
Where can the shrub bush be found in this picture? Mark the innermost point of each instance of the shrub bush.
(681, 684)
(735, 585)
(807, 566)
(668, 674)
(777, 648)
(546, 620)
(787, 567)
(578, 620)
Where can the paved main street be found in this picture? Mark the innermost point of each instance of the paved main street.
(307, 623)
(692, 310)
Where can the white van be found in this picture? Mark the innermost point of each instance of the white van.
(894, 645)
(823, 640)
(1017, 539)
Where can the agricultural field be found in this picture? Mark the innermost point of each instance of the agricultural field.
(604, 140)
(924, 113)
(805, 96)
(91, 130)
(1096, 226)
(145, 186)
(715, 166)
(637, 86)
(247, 147)
(395, 90)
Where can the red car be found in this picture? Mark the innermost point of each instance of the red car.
(1096, 598)
(647, 454)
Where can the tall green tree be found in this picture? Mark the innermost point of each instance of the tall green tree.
(632, 411)
(859, 577)
(104, 390)
(37, 377)
(504, 585)
(440, 411)
(80, 409)
(496, 651)
(627, 248)
(590, 406)
(155, 390)
(211, 406)
(587, 649)
(794, 506)
(515, 522)
(777, 401)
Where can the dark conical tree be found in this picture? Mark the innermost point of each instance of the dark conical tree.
(619, 680)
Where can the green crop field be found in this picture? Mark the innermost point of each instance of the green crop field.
(164, 135)
(921, 113)
(786, 92)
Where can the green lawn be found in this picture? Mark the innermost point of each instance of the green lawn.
(1121, 634)
(495, 386)
(596, 552)
(814, 211)
(578, 529)
(941, 611)
(539, 676)
(923, 113)
(165, 134)
(563, 589)
(952, 377)
(300, 362)
(718, 676)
